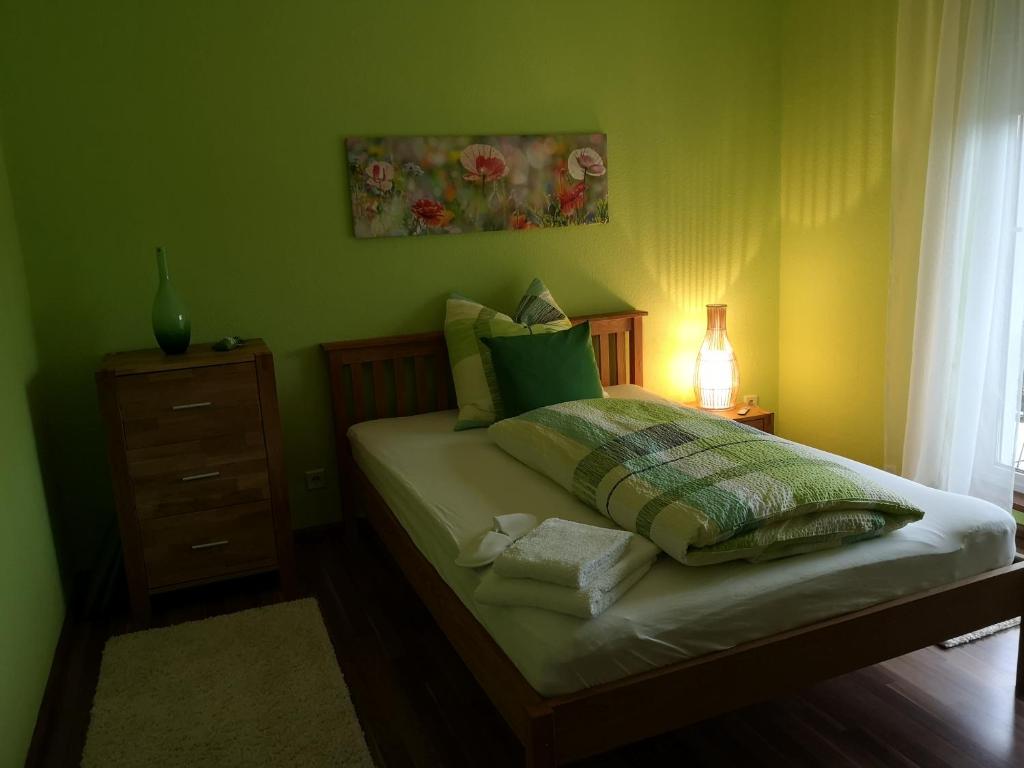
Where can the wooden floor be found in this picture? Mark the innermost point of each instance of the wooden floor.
(420, 707)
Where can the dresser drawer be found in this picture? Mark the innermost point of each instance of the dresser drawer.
(765, 423)
(208, 544)
(757, 423)
(178, 406)
(200, 474)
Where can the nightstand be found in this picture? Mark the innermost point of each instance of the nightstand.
(758, 418)
(194, 442)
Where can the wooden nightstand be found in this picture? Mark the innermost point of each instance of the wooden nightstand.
(758, 418)
(194, 443)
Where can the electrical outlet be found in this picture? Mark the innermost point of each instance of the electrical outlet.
(750, 400)
(315, 479)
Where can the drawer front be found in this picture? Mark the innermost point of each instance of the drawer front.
(178, 406)
(201, 474)
(758, 422)
(208, 544)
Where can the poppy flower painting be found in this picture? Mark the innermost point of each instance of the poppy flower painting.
(432, 213)
(433, 185)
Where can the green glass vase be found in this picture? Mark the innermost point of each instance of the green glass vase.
(171, 324)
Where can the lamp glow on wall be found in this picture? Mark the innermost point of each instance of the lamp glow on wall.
(716, 379)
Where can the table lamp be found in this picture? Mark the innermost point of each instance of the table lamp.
(716, 378)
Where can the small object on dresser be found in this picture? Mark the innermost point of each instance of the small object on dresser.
(228, 343)
(171, 324)
(194, 443)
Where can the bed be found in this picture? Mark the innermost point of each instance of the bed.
(685, 643)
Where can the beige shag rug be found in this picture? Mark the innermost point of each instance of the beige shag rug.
(256, 688)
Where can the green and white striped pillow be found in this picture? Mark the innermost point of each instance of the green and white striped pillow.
(466, 322)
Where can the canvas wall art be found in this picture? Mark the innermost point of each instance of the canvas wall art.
(432, 185)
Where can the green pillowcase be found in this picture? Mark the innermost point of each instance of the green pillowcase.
(534, 371)
(466, 323)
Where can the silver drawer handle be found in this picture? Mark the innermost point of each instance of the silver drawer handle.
(200, 476)
(208, 545)
(188, 406)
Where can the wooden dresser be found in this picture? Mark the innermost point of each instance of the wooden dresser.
(759, 418)
(194, 442)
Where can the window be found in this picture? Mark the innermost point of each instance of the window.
(1018, 452)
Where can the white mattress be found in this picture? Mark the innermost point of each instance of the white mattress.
(446, 487)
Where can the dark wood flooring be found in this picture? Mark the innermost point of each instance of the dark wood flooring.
(419, 705)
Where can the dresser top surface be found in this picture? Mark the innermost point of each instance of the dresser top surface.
(753, 412)
(198, 355)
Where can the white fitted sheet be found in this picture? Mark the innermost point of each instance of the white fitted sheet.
(445, 487)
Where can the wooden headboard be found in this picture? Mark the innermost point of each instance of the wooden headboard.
(405, 375)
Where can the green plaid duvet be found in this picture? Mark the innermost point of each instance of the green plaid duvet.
(704, 489)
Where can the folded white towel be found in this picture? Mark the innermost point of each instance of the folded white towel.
(563, 552)
(638, 553)
(584, 603)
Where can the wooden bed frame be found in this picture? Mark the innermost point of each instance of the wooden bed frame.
(402, 375)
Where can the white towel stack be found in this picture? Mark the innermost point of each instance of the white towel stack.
(567, 567)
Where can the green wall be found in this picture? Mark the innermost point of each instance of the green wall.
(216, 129)
(31, 603)
(749, 164)
(837, 81)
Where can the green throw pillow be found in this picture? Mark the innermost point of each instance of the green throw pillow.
(466, 323)
(534, 371)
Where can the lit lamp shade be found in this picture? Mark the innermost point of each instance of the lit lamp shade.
(716, 379)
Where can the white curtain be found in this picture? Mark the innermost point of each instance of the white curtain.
(961, 236)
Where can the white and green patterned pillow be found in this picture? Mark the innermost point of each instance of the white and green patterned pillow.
(466, 322)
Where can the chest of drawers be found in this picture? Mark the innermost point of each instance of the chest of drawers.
(755, 417)
(194, 443)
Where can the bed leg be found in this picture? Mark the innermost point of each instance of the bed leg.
(1020, 663)
(540, 744)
